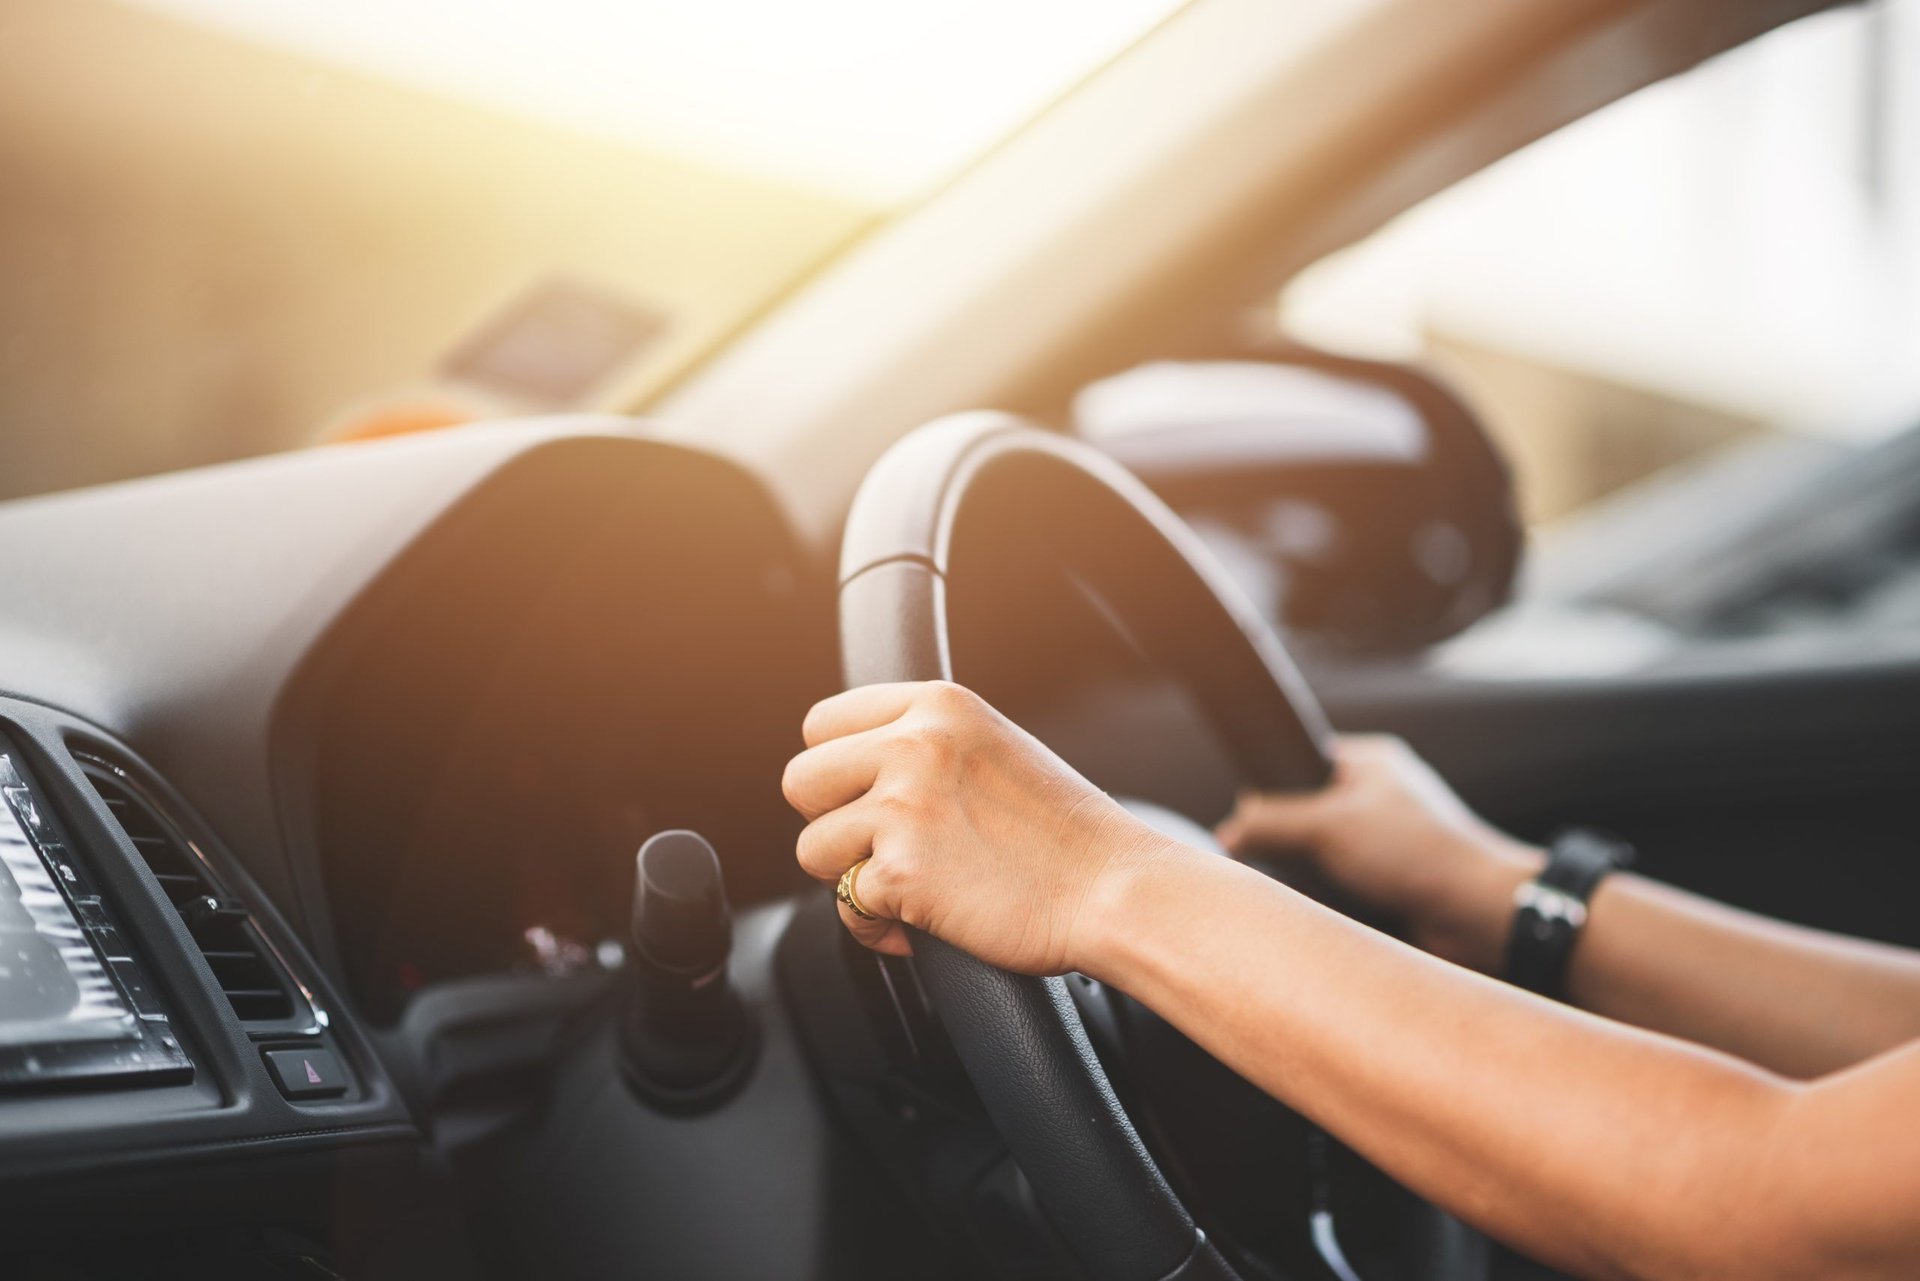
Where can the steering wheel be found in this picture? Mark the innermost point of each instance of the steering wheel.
(1020, 1038)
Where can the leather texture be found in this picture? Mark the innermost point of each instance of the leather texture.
(1021, 1038)
(944, 484)
(1021, 1041)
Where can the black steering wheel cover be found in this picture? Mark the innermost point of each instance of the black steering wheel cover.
(1087, 510)
(1020, 1038)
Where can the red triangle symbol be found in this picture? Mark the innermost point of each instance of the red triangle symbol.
(313, 1077)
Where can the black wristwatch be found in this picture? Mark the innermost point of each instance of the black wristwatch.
(1551, 909)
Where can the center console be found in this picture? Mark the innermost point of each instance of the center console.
(166, 1045)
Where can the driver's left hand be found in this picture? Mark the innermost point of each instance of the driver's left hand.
(977, 833)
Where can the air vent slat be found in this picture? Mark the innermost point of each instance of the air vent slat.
(218, 924)
(165, 858)
(259, 1007)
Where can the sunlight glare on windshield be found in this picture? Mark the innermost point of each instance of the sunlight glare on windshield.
(872, 99)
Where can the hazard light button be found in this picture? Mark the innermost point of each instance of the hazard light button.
(307, 1073)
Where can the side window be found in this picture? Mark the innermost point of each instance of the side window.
(1726, 258)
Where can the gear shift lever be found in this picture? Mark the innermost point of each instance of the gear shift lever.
(685, 1039)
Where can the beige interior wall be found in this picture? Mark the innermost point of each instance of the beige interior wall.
(208, 249)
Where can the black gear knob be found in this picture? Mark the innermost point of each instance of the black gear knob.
(681, 921)
(685, 1039)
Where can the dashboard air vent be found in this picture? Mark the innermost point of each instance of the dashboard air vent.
(219, 923)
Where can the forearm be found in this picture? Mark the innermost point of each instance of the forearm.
(1797, 1001)
(1602, 1149)
(1609, 1150)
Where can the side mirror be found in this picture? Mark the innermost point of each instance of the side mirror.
(1362, 503)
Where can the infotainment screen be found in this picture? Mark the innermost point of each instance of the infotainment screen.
(53, 986)
(72, 1002)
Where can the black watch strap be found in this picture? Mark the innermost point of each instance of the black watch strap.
(1551, 910)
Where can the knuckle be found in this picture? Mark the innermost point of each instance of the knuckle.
(792, 783)
(937, 741)
(896, 804)
(807, 795)
(876, 879)
(922, 744)
(1369, 754)
(949, 697)
(884, 877)
(814, 849)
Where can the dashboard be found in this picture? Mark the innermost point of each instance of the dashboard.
(616, 653)
(321, 778)
(472, 674)
(427, 697)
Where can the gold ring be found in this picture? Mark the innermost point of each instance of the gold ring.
(845, 892)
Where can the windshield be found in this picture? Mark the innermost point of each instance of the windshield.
(236, 226)
(1723, 260)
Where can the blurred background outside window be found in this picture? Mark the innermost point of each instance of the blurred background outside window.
(1723, 258)
(230, 227)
